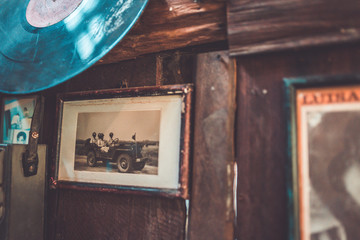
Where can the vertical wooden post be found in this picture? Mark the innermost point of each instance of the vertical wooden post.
(211, 205)
(159, 70)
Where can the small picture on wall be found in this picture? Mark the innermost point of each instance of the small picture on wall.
(326, 163)
(118, 139)
(124, 141)
(20, 136)
(17, 116)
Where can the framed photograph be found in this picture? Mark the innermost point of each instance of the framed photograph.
(324, 181)
(17, 113)
(125, 139)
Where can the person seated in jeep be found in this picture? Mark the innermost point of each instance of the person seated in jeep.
(101, 143)
(110, 142)
(93, 140)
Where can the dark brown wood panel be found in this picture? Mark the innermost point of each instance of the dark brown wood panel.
(170, 24)
(171, 67)
(261, 26)
(261, 132)
(211, 208)
(94, 216)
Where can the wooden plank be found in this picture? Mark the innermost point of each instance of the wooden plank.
(261, 133)
(174, 68)
(170, 24)
(262, 26)
(211, 208)
(91, 215)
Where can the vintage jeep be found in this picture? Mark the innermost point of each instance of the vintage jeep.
(127, 155)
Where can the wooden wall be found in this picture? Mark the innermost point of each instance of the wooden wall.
(260, 127)
(77, 215)
(261, 140)
(145, 57)
(272, 40)
(74, 214)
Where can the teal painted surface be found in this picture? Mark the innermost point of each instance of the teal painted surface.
(289, 88)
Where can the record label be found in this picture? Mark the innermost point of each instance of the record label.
(44, 13)
(46, 42)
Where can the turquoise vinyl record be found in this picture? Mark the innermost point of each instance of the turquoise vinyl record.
(46, 42)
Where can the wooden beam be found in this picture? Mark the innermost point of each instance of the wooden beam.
(171, 24)
(264, 26)
(211, 206)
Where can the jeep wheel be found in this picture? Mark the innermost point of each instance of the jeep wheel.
(139, 166)
(91, 159)
(124, 163)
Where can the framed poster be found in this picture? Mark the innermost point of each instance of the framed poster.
(17, 114)
(125, 139)
(324, 129)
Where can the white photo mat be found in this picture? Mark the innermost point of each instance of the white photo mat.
(170, 108)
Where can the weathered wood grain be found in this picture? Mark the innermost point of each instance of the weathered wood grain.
(261, 140)
(174, 67)
(93, 216)
(211, 208)
(262, 26)
(170, 24)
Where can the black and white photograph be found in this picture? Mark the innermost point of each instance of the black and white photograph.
(17, 116)
(328, 166)
(334, 174)
(125, 142)
(136, 139)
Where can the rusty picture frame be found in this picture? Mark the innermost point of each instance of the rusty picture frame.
(323, 113)
(134, 140)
